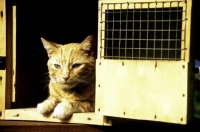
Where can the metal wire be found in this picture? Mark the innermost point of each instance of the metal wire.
(142, 33)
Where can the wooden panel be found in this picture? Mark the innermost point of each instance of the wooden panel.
(2, 28)
(188, 30)
(183, 33)
(147, 90)
(32, 115)
(2, 93)
(142, 1)
(142, 5)
(13, 51)
(101, 34)
(2, 53)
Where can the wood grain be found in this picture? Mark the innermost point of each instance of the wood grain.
(31, 114)
(146, 90)
(2, 28)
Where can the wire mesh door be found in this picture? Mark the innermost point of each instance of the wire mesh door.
(142, 30)
(144, 63)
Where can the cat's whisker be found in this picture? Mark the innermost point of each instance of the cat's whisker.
(46, 86)
(46, 79)
(87, 82)
(47, 73)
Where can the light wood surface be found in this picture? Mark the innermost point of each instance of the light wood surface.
(31, 114)
(3, 54)
(2, 28)
(14, 19)
(147, 90)
(141, 1)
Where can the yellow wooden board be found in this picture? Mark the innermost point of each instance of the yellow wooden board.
(140, 5)
(30, 114)
(188, 18)
(2, 92)
(143, 89)
(2, 28)
(14, 22)
(142, 1)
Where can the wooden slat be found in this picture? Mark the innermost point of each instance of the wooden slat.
(99, 32)
(2, 93)
(183, 32)
(188, 30)
(189, 57)
(141, 1)
(143, 5)
(147, 90)
(2, 53)
(13, 50)
(30, 114)
(2, 28)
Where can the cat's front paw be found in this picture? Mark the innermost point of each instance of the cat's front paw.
(45, 107)
(63, 110)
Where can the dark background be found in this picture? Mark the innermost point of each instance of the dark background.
(58, 21)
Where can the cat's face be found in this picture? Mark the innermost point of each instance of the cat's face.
(71, 64)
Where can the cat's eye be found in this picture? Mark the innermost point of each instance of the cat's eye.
(57, 66)
(76, 65)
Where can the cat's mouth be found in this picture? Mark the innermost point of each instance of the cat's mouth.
(68, 82)
(67, 85)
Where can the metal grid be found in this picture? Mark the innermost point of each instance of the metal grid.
(142, 33)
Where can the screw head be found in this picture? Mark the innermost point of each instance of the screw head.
(1, 13)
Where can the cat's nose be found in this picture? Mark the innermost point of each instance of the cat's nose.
(66, 78)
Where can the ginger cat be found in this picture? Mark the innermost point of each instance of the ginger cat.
(72, 78)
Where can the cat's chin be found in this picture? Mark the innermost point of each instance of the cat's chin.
(68, 85)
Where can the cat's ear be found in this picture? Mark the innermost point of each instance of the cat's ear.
(88, 44)
(49, 46)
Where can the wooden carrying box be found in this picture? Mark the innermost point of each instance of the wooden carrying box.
(143, 68)
(22, 81)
